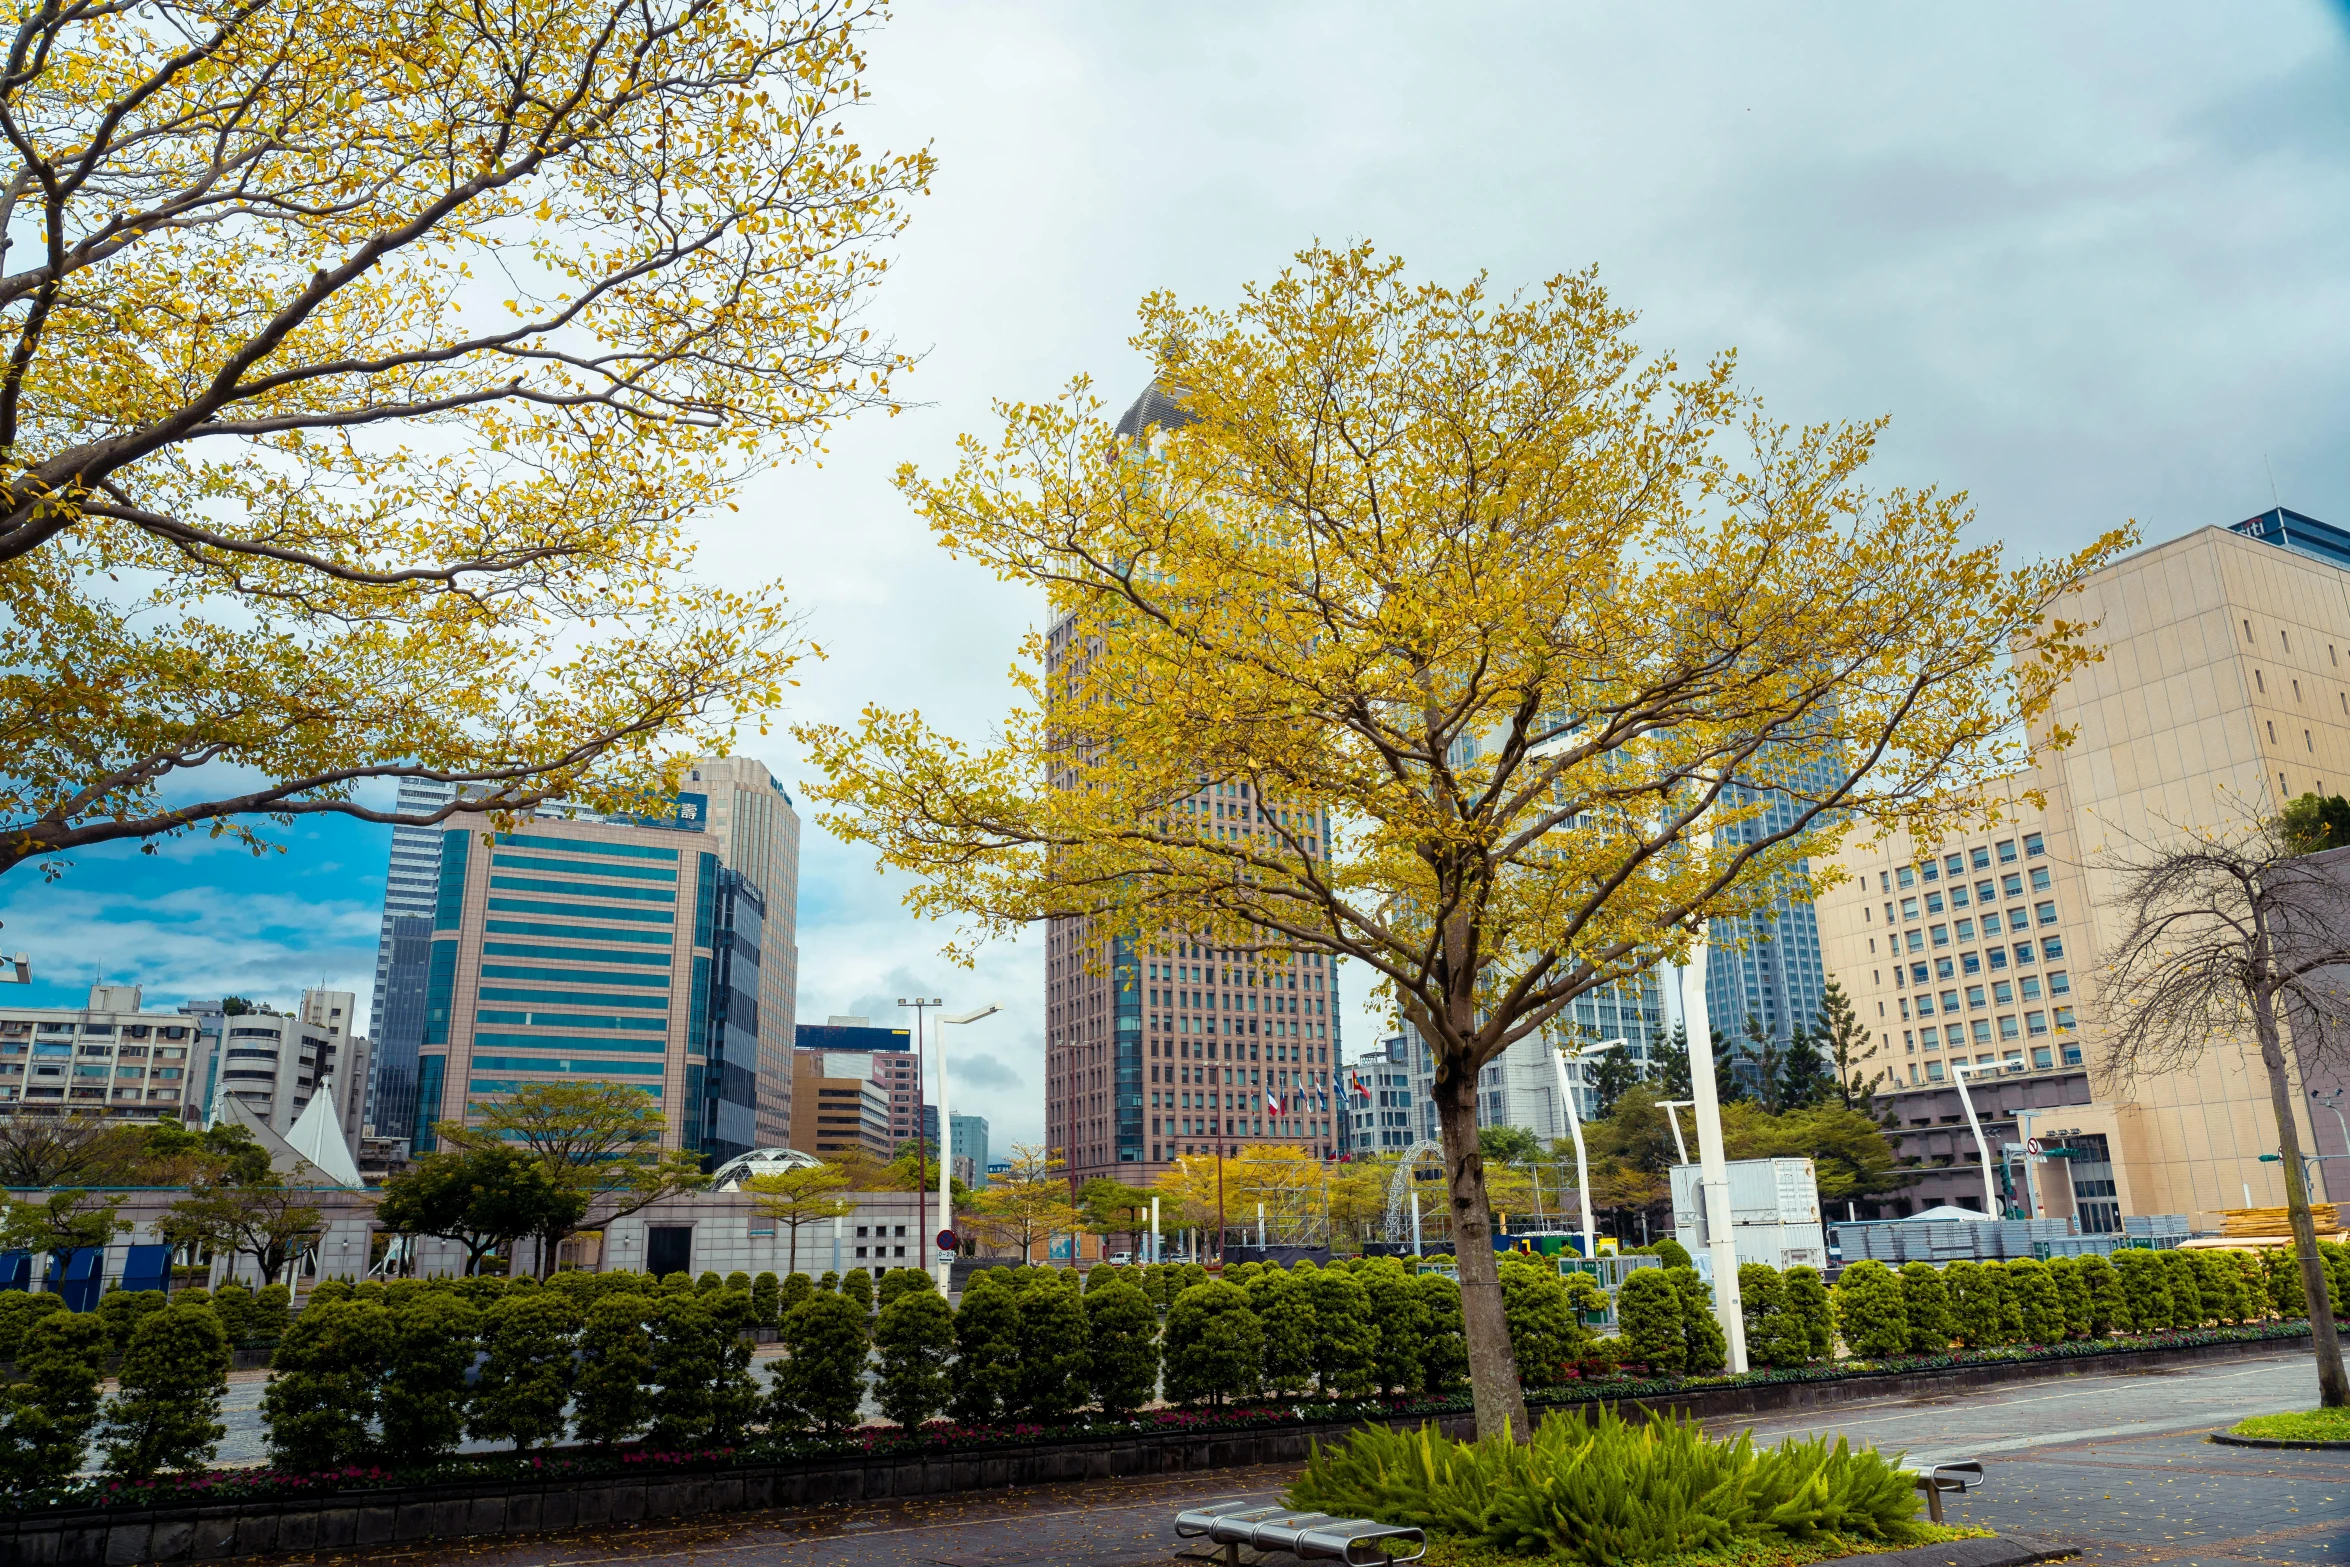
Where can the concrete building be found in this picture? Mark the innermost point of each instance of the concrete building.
(598, 950)
(839, 1105)
(893, 1067)
(2224, 690)
(970, 1133)
(272, 1064)
(1376, 1093)
(111, 1058)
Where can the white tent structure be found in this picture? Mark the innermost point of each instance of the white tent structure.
(317, 1135)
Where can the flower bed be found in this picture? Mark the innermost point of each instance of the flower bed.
(941, 1438)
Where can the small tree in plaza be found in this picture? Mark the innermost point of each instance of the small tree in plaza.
(1122, 1348)
(1345, 1344)
(1545, 1333)
(1648, 1308)
(1870, 1310)
(1215, 1345)
(1400, 1319)
(1444, 1363)
(1286, 1313)
(325, 1380)
(531, 1370)
(165, 1414)
(46, 1413)
(612, 1403)
(915, 1338)
(1532, 614)
(797, 1198)
(1050, 1380)
(987, 1340)
(424, 1397)
(701, 1368)
(823, 1372)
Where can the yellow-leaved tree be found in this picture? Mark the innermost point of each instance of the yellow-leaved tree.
(363, 364)
(1452, 635)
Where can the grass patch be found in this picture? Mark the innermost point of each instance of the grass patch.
(1754, 1553)
(2300, 1425)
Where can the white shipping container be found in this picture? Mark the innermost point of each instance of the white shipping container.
(1780, 1245)
(1762, 1191)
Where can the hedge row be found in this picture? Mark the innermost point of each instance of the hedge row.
(1921, 1309)
(246, 1315)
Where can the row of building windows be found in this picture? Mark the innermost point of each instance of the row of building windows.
(18, 1028)
(579, 889)
(1978, 858)
(525, 906)
(571, 976)
(659, 938)
(533, 862)
(521, 949)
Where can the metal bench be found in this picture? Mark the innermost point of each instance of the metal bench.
(1958, 1477)
(1307, 1536)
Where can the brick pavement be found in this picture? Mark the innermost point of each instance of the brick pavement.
(2113, 1462)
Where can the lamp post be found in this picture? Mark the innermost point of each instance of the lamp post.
(1713, 1163)
(1671, 1108)
(921, 1144)
(1558, 1061)
(1959, 1071)
(946, 1141)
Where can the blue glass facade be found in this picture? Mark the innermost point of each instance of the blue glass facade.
(2304, 535)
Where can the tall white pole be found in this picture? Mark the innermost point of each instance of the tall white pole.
(1713, 1167)
(1154, 1251)
(1575, 1130)
(946, 1167)
(1966, 1102)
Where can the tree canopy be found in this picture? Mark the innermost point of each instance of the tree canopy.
(367, 365)
(1506, 653)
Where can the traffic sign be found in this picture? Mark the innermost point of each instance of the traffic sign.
(2032, 1147)
(946, 1240)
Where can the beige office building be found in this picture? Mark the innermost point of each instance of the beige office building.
(2224, 690)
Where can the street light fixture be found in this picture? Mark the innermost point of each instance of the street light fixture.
(921, 1006)
(946, 1143)
(1669, 1106)
(1558, 1061)
(1960, 1070)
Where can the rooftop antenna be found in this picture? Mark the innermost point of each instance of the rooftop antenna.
(2272, 486)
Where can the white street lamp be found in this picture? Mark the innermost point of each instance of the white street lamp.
(1558, 1061)
(946, 1142)
(1671, 1107)
(1966, 1102)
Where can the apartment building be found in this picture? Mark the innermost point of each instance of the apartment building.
(272, 1064)
(2224, 691)
(111, 1058)
(891, 1062)
(839, 1104)
(1376, 1096)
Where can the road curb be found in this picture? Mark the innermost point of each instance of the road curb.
(2226, 1440)
(2006, 1550)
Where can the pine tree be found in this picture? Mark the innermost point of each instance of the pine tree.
(165, 1412)
(1444, 1357)
(47, 1411)
(325, 1381)
(614, 1402)
(1849, 1047)
(528, 1377)
(1871, 1311)
(1050, 1381)
(1401, 1322)
(430, 1353)
(987, 1346)
(1215, 1345)
(1926, 1301)
(1122, 1348)
(822, 1376)
(1346, 1345)
(915, 1335)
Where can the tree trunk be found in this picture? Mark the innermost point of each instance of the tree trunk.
(2333, 1389)
(1493, 1362)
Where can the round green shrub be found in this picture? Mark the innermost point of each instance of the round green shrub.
(165, 1414)
(915, 1337)
(766, 1299)
(526, 1381)
(1811, 1312)
(2145, 1288)
(2038, 1305)
(1050, 1379)
(1871, 1311)
(325, 1381)
(1762, 1300)
(1444, 1357)
(2108, 1308)
(613, 1401)
(423, 1399)
(1122, 1347)
(1346, 1345)
(47, 1412)
(1286, 1314)
(857, 1285)
(2072, 1295)
(1400, 1320)
(822, 1375)
(987, 1338)
(1545, 1333)
(1215, 1345)
(1648, 1314)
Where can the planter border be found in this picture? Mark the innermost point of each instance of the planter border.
(1999, 1550)
(117, 1537)
(2230, 1439)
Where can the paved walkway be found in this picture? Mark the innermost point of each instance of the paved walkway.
(2115, 1463)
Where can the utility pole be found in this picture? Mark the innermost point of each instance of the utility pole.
(921, 1141)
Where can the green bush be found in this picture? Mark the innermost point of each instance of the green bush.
(1049, 1379)
(1121, 1348)
(1872, 1310)
(2248, 1285)
(2188, 1305)
(702, 1369)
(2011, 1308)
(822, 1375)
(1707, 1350)
(1675, 1254)
(795, 1288)
(1974, 1305)
(1286, 1313)
(1610, 1491)
(325, 1381)
(1925, 1301)
(47, 1412)
(613, 1402)
(2337, 1269)
(1762, 1300)
(273, 1306)
(1810, 1312)
(233, 1304)
(707, 1282)
(324, 1291)
(987, 1336)
(1444, 1354)
(429, 1352)
(766, 1299)
(1648, 1314)
(738, 1280)
(2072, 1294)
(119, 1312)
(857, 1285)
(915, 1335)
(2108, 1306)
(2038, 1303)
(896, 1282)
(19, 1310)
(1346, 1345)
(2145, 1288)
(1215, 1345)
(1400, 1322)
(1545, 1333)
(829, 1283)
(528, 1377)
(165, 1414)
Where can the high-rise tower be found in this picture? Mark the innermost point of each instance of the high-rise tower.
(408, 892)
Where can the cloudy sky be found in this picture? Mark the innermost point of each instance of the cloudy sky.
(2090, 260)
